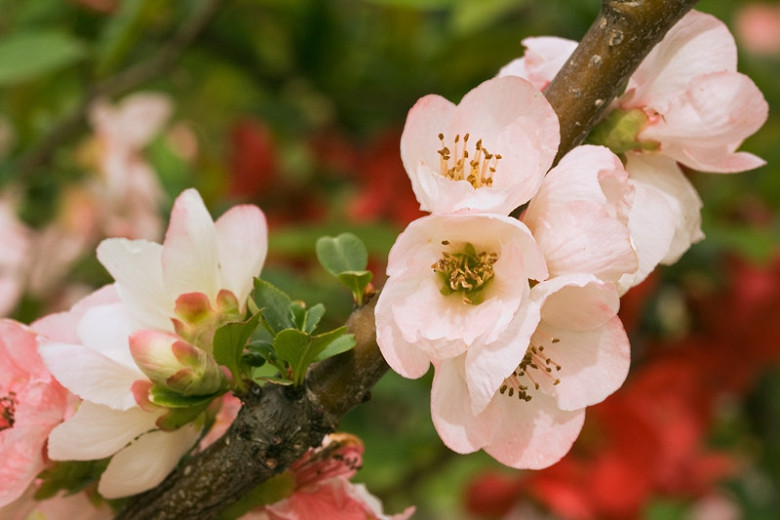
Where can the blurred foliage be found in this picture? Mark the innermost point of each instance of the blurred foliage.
(300, 94)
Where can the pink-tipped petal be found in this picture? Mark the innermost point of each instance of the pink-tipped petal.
(242, 238)
(190, 262)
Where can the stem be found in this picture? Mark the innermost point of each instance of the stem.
(277, 425)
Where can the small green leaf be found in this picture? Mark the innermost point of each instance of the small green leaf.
(343, 253)
(274, 305)
(229, 342)
(293, 346)
(313, 317)
(356, 281)
(28, 55)
(337, 346)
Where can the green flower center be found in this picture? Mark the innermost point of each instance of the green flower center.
(466, 273)
(456, 164)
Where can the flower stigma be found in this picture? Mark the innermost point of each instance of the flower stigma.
(534, 359)
(466, 272)
(478, 171)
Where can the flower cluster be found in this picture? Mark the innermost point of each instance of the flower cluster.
(518, 316)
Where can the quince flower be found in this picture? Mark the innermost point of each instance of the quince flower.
(577, 356)
(685, 103)
(458, 286)
(31, 404)
(489, 153)
(178, 292)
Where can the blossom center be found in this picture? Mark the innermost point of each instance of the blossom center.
(7, 410)
(457, 164)
(534, 363)
(466, 272)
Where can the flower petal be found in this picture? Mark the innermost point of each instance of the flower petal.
(189, 254)
(91, 375)
(698, 44)
(242, 236)
(136, 265)
(146, 462)
(593, 363)
(534, 434)
(96, 431)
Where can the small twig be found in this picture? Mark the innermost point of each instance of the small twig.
(133, 77)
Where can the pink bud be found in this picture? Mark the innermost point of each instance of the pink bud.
(169, 361)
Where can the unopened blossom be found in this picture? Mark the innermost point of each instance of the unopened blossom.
(458, 286)
(175, 295)
(488, 153)
(576, 357)
(321, 487)
(31, 404)
(580, 216)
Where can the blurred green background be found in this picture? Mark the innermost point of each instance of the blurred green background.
(297, 105)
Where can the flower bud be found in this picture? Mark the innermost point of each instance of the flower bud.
(171, 362)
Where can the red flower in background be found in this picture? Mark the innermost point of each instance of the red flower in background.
(649, 439)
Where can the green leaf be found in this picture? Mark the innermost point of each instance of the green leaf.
(294, 347)
(337, 345)
(306, 320)
(356, 281)
(229, 342)
(31, 54)
(313, 317)
(275, 306)
(343, 253)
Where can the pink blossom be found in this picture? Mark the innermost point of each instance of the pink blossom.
(580, 216)
(31, 404)
(488, 153)
(189, 285)
(458, 285)
(699, 107)
(577, 356)
(322, 490)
